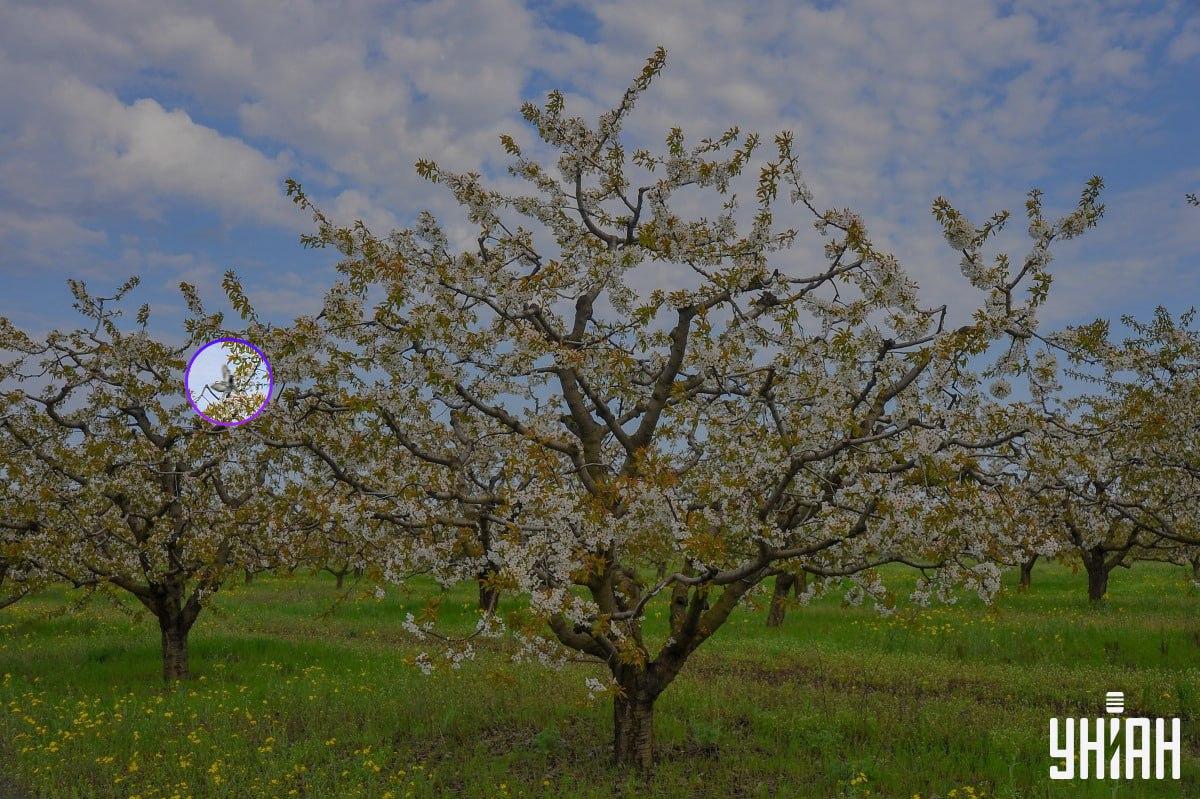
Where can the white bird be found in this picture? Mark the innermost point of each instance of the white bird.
(225, 385)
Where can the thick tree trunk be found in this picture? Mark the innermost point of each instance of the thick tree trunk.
(489, 594)
(1027, 572)
(784, 583)
(1196, 570)
(633, 712)
(341, 578)
(1097, 584)
(639, 683)
(174, 632)
(489, 597)
(1097, 572)
(783, 587)
(633, 732)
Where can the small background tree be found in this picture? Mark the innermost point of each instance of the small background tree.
(1116, 467)
(125, 485)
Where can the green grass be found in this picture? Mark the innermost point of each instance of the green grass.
(296, 694)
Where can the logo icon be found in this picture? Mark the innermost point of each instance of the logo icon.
(1114, 748)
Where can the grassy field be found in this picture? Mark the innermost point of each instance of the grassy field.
(298, 694)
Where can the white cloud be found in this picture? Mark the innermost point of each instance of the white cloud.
(45, 237)
(1144, 253)
(141, 153)
(1186, 45)
(193, 46)
(145, 104)
(893, 104)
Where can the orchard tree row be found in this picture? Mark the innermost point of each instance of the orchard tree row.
(638, 379)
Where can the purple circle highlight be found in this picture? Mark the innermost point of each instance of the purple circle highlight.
(266, 399)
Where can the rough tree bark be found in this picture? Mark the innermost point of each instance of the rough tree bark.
(176, 615)
(784, 584)
(1098, 570)
(174, 649)
(783, 587)
(175, 620)
(633, 717)
(489, 596)
(693, 620)
(1100, 559)
(1027, 572)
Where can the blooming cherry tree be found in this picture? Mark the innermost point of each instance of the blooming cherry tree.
(627, 366)
(1115, 468)
(123, 484)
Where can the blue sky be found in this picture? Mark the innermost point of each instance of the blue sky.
(152, 138)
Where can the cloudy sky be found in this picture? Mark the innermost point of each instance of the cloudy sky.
(152, 137)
